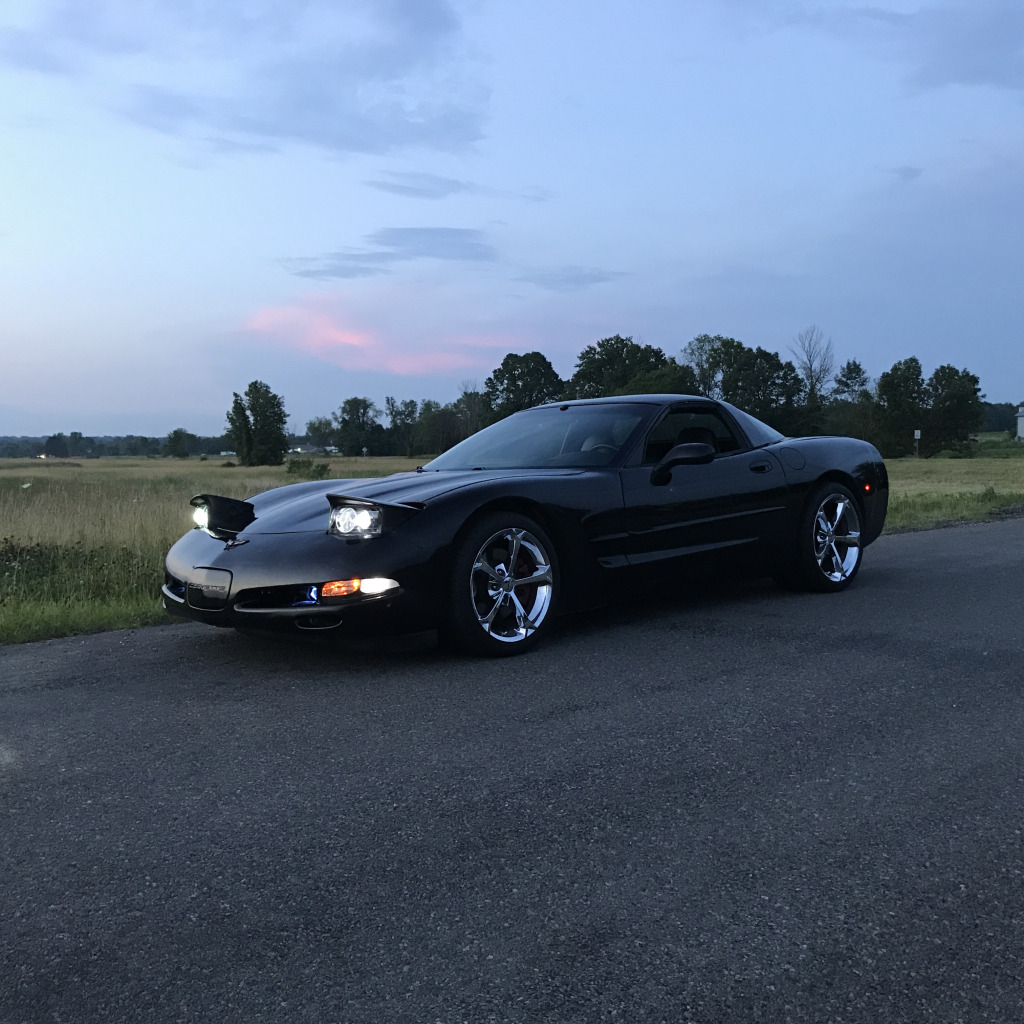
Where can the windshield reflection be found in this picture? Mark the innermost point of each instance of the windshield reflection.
(567, 436)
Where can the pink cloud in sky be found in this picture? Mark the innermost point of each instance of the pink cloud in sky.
(309, 330)
(317, 329)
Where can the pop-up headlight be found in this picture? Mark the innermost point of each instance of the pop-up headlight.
(356, 520)
(221, 517)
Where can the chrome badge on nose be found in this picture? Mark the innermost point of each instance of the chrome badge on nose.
(208, 588)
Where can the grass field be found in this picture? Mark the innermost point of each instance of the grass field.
(930, 492)
(82, 544)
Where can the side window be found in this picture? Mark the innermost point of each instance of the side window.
(685, 426)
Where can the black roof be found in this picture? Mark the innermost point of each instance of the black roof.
(654, 399)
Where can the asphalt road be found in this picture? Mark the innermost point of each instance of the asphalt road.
(742, 806)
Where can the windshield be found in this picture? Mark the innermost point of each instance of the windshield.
(574, 436)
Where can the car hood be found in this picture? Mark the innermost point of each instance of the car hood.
(304, 507)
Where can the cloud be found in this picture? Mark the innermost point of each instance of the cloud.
(395, 245)
(958, 42)
(420, 186)
(22, 49)
(907, 172)
(368, 76)
(569, 279)
(977, 43)
(316, 326)
(315, 331)
(435, 243)
(431, 186)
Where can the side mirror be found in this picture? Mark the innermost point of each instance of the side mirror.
(696, 454)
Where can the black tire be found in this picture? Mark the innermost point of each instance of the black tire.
(828, 552)
(504, 586)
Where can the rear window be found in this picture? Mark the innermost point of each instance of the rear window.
(758, 433)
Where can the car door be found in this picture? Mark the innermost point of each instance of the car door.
(730, 509)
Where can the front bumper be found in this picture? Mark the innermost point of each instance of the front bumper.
(274, 581)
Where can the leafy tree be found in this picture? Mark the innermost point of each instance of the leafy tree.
(902, 400)
(759, 382)
(319, 431)
(356, 426)
(522, 381)
(135, 445)
(999, 416)
(56, 446)
(711, 356)
(671, 379)
(755, 379)
(472, 408)
(180, 443)
(401, 421)
(604, 368)
(79, 445)
(437, 428)
(256, 426)
(851, 382)
(954, 410)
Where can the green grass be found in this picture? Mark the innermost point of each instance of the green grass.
(82, 544)
(925, 493)
(927, 510)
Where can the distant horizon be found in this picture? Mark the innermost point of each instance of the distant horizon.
(301, 430)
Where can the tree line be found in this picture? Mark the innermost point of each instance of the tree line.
(76, 445)
(808, 394)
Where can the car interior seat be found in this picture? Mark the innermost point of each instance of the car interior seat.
(697, 435)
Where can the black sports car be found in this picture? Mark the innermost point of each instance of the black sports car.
(552, 509)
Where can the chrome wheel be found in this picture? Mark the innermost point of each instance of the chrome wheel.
(836, 532)
(511, 585)
(826, 552)
(504, 586)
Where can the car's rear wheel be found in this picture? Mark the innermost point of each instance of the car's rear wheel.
(828, 550)
(504, 586)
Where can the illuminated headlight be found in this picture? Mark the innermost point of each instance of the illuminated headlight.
(378, 585)
(355, 521)
(201, 516)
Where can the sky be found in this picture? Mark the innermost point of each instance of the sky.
(385, 197)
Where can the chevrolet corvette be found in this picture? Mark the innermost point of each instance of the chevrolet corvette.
(553, 509)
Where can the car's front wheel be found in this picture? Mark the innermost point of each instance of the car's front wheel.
(828, 550)
(504, 586)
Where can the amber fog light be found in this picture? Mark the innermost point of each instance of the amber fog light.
(373, 587)
(339, 588)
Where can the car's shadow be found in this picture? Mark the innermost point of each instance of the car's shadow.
(627, 610)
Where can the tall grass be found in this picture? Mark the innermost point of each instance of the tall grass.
(931, 492)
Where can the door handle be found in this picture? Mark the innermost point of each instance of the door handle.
(760, 467)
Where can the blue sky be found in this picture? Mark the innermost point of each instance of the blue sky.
(384, 197)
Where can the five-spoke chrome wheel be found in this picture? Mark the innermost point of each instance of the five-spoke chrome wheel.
(504, 585)
(828, 550)
(837, 537)
(510, 584)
